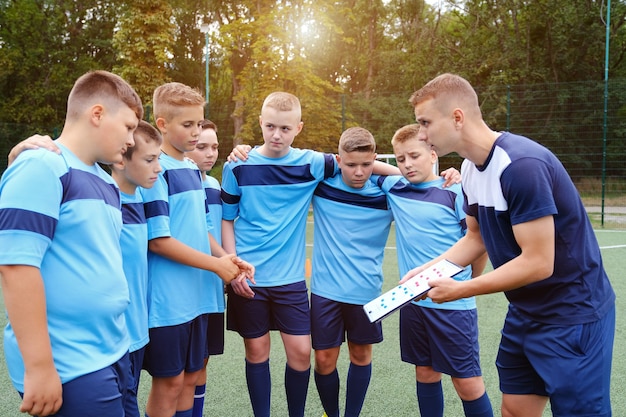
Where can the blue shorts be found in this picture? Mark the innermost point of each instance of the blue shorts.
(332, 320)
(570, 364)
(100, 393)
(174, 349)
(284, 308)
(446, 340)
(215, 334)
(134, 373)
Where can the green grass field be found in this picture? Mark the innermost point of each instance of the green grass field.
(392, 390)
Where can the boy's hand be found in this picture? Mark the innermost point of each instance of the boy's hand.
(242, 288)
(33, 142)
(451, 176)
(227, 269)
(43, 392)
(239, 152)
(246, 270)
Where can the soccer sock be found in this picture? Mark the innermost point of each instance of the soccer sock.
(430, 399)
(198, 400)
(186, 413)
(259, 387)
(356, 388)
(296, 388)
(328, 389)
(480, 407)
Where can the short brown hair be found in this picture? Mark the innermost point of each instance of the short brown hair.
(448, 86)
(102, 85)
(145, 133)
(169, 97)
(207, 124)
(405, 133)
(357, 139)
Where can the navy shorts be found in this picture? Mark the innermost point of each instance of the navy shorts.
(332, 320)
(134, 373)
(100, 393)
(570, 364)
(174, 349)
(215, 334)
(284, 308)
(446, 340)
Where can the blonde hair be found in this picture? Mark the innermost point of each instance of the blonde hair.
(145, 133)
(448, 90)
(169, 98)
(357, 139)
(100, 85)
(282, 101)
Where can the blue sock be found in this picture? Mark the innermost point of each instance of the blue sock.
(328, 389)
(296, 388)
(198, 400)
(259, 387)
(356, 388)
(186, 413)
(480, 407)
(430, 399)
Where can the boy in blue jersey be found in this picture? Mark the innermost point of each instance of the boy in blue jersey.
(139, 168)
(269, 196)
(181, 292)
(351, 227)
(66, 343)
(436, 338)
(525, 212)
(205, 155)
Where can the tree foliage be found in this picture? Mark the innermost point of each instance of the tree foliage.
(349, 61)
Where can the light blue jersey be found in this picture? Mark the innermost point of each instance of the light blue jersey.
(64, 217)
(350, 233)
(429, 220)
(270, 199)
(176, 207)
(213, 191)
(134, 243)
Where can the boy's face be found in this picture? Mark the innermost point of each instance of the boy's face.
(143, 168)
(415, 160)
(181, 131)
(280, 128)
(206, 151)
(356, 167)
(117, 126)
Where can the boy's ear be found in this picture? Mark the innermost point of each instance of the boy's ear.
(300, 125)
(161, 124)
(119, 166)
(97, 110)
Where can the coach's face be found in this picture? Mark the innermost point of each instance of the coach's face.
(437, 128)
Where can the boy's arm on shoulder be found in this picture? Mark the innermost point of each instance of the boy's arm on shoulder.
(33, 142)
(383, 168)
(25, 302)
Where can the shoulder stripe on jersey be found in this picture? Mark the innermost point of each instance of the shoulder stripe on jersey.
(230, 198)
(181, 180)
(19, 219)
(82, 185)
(213, 196)
(248, 175)
(133, 213)
(430, 195)
(331, 193)
(329, 165)
(156, 208)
